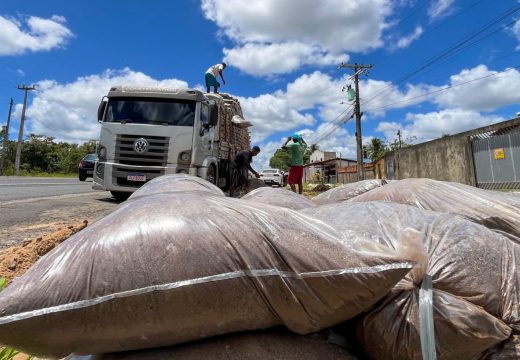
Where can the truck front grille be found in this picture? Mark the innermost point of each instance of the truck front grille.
(157, 154)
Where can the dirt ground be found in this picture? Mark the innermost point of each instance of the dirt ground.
(26, 220)
(30, 229)
(16, 260)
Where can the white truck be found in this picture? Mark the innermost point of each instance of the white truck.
(149, 131)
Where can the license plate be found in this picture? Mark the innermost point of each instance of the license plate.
(136, 177)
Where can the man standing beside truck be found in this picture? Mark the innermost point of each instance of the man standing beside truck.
(240, 168)
(297, 150)
(211, 77)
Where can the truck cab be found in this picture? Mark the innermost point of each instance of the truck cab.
(147, 132)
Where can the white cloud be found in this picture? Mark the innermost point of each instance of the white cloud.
(405, 41)
(376, 94)
(516, 31)
(486, 94)
(264, 60)
(68, 111)
(324, 29)
(20, 72)
(288, 110)
(424, 127)
(339, 140)
(440, 8)
(38, 34)
(270, 114)
(267, 150)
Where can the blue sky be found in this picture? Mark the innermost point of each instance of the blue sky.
(283, 58)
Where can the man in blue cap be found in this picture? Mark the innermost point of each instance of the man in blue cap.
(240, 168)
(297, 150)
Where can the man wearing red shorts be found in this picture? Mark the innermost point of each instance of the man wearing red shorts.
(297, 150)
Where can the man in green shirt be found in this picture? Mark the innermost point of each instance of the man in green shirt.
(297, 150)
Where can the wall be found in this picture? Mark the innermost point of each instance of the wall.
(448, 159)
(318, 156)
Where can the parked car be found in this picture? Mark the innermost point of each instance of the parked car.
(86, 167)
(272, 177)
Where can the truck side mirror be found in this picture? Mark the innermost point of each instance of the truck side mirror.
(101, 109)
(213, 116)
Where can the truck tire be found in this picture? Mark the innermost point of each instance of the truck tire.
(211, 174)
(120, 195)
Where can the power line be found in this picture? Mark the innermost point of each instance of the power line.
(443, 89)
(335, 126)
(318, 136)
(441, 24)
(432, 60)
(482, 63)
(461, 50)
(323, 132)
(450, 50)
(413, 12)
(451, 18)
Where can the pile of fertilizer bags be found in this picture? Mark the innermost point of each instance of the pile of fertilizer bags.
(179, 271)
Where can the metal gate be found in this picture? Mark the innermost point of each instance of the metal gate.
(497, 161)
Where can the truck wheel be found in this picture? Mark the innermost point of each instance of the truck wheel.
(120, 196)
(211, 174)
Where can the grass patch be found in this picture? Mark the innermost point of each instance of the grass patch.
(46, 174)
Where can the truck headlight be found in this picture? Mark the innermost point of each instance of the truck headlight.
(185, 156)
(100, 170)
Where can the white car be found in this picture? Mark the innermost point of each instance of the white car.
(272, 177)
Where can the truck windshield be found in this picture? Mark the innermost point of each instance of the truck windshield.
(151, 111)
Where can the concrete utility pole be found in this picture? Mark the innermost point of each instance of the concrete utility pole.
(399, 137)
(6, 138)
(20, 132)
(358, 70)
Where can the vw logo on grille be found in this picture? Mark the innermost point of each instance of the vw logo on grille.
(141, 146)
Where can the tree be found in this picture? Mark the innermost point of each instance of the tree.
(38, 153)
(314, 147)
(375, 150)
(280, 160)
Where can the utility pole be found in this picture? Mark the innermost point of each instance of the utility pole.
(399, 137)
(20, 132)
(358, 70)
(6, 138)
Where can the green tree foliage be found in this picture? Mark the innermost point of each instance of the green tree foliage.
(280, 160)
(375, 150)
(41, 153)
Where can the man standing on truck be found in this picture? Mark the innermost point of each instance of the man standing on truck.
(211, 77)
(297, 150)
(240, 168)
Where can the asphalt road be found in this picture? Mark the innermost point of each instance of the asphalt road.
(18, 188)
(32, 207)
